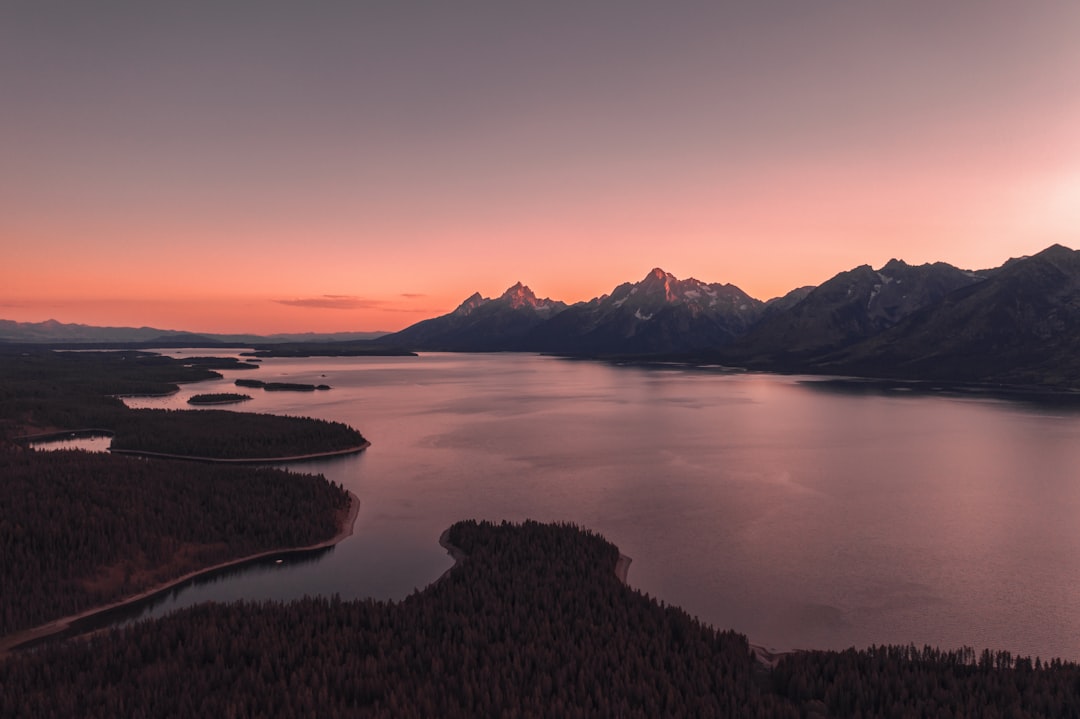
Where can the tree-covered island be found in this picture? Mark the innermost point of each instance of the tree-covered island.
(218, 398)
(280, 386)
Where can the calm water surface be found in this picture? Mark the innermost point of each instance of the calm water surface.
(801, 517)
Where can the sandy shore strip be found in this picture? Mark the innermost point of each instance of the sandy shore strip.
(622, 566)
(13, 641)
(768, 657)
(72, 433)
(244, 460)
(455, 553)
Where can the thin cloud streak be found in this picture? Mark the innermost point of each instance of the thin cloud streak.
(351, 302)
(335, 302)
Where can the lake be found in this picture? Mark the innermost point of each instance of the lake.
(800, 516)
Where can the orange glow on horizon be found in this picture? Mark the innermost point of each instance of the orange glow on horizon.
(362, 176)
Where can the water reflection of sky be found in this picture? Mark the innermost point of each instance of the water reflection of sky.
(802, 517)
(95, 443)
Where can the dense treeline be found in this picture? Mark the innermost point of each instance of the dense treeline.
(532, 623)
(44, 391)
(928, 682)
(218, 363)
(280, 386)
(218, 398)
(98, 373)
(229, 435)
(79, 529)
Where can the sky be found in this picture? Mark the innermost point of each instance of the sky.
(359, 166)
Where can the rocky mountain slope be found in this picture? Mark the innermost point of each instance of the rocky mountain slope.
(1021, 325)
(848, 308)
(658, 314)
(480, 324)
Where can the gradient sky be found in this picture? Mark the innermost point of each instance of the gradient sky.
(335, 166)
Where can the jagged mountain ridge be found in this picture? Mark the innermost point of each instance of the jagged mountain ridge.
(481, 324)
(658, 314)
(850, 307)
(662, 314)
(1021, 325)
(1018, 323)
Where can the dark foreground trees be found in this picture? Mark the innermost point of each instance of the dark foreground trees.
(79, 529)
(532, 623)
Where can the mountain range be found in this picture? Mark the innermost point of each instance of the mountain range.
(1018, 323)
(1015, 324)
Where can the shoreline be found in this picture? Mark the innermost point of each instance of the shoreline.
(622, 567)
(12, 642)
(62, 434)
(622, 564)
(455, 553)
(243, 460)
(93, 432)
(768, 658)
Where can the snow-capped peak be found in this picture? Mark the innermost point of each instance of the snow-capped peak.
(659, 289)
(658, 281)
(519, 296)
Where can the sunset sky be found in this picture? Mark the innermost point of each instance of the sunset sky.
(344, 166)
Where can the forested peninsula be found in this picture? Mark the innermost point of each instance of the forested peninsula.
(42, 391)
(531, 622)
(79, 530)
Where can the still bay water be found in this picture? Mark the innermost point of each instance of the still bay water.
(802, 517)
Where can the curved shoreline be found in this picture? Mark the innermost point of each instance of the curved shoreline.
(217, 402)
(244, 460)
(622, 564)
(93, 432)
(63, 434)
(26, 636)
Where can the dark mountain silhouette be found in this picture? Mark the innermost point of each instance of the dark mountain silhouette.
(786, 302)
(1019, 326)
(848, 308)
(658, 314)
(480, 324)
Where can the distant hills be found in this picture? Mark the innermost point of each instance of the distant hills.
(1017, 324)
(1014, 324)
(54, 332)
